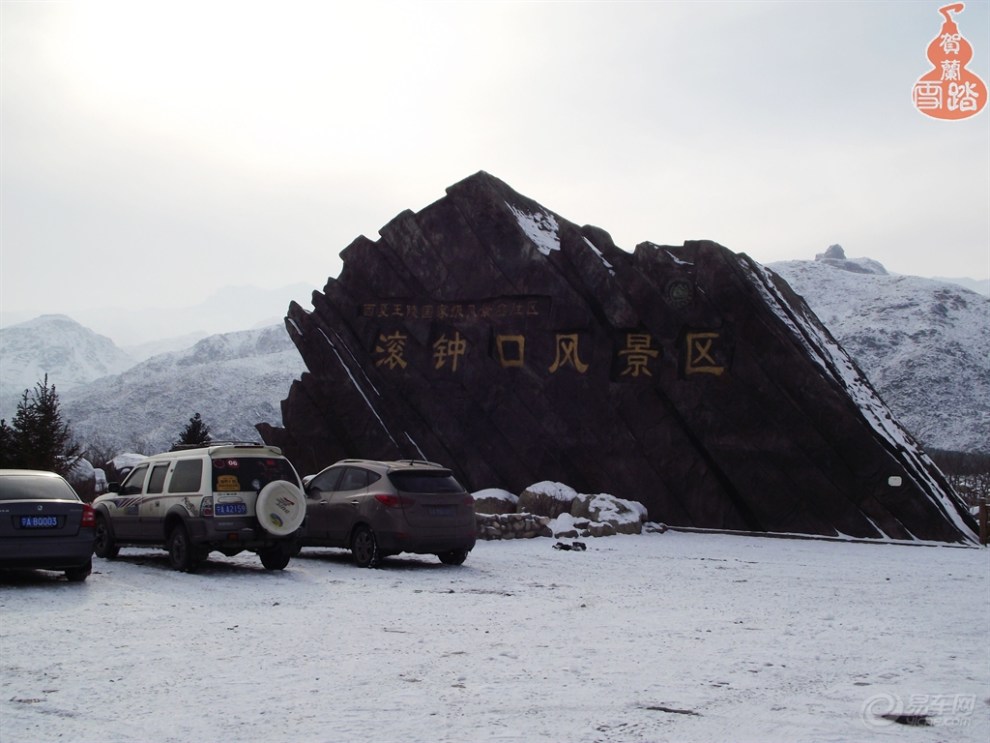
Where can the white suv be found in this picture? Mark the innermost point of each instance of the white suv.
(225, 497)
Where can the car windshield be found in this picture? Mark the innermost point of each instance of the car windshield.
(28, 487)
(235, 474)
(425, 481)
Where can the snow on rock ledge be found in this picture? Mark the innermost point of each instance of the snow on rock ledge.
(540, 227)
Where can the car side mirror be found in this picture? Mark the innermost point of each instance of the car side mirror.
(113, 487)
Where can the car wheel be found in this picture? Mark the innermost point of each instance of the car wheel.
(78, 575)
(277, 557)
(181, 552)
(364, 547)
(453, 557)
(105, 545)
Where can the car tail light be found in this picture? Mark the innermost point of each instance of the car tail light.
(393, 501)
(88, 516)
(206, 507)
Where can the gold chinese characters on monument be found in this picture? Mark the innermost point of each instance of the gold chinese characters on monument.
(525, 342)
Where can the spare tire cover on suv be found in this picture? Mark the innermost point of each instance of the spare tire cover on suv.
(280, 508)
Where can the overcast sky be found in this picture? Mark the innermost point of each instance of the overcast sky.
(153, 152)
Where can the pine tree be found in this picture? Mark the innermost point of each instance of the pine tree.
(8, 449)
(196, 433)
(38, 439)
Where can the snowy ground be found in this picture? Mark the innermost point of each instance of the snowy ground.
(685, 637)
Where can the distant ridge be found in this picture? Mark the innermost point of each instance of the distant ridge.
(980, 286)
(923, 343)
(234, 380)
(229, 309)
(70, 354)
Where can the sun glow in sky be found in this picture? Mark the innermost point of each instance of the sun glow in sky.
(154, 152)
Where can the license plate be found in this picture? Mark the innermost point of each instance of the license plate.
(231, 509)
(442, 510)
(39, 522)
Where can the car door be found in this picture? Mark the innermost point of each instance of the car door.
(150, 508)
(344, 504)
(318, 493)
(123, 508)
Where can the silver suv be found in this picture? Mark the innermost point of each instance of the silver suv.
(224, 497)
(377, 509)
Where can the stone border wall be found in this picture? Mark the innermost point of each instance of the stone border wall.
(512, 526)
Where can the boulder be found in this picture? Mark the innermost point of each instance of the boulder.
(491, 334)
(495, 501)
(549, 499)
(624, 516)
(601, 530)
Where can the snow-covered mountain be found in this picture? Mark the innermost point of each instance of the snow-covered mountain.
(923, 343)
(233, 380)
(70, 354)
(143, 331)
(980, 286)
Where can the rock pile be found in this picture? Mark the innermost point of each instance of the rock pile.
(552, 509)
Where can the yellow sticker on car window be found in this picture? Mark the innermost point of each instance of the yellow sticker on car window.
(228, 483)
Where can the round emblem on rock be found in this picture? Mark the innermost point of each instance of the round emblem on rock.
(679, 293)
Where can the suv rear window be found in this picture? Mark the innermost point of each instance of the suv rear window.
(234, 474)
(425, 481)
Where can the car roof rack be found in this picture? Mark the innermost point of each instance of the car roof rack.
(213, 444)
(391, 462)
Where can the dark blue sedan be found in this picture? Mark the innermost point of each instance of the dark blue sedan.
(44, 524)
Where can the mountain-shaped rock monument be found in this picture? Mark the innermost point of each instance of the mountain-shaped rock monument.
(492, 335)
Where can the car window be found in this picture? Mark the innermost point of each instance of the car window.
(425, 481)
(17, 487)
(354, 478)
(135, 481)
(187, 476)
(157, 479)
(235, 474)
(326, 481)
